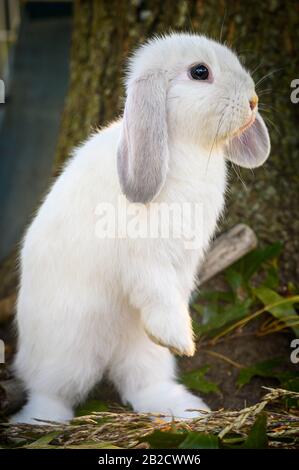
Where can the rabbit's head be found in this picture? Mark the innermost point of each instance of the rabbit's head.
(192, 89)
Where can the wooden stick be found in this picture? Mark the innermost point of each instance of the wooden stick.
(226, 250)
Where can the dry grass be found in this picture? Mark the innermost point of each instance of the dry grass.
(125, 429)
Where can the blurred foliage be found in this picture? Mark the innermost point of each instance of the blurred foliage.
(90, 406)
(268, 368)
(250, 290)
(182, 440)
(196, 381)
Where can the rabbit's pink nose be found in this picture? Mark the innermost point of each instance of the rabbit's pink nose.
(253, 102)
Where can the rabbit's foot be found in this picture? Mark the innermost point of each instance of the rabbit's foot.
(171, 400)
(41, 408)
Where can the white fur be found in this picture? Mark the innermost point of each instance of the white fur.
(86, 304)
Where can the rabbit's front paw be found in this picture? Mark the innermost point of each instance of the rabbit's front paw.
(174, 333)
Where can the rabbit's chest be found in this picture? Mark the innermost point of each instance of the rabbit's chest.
(202, 204)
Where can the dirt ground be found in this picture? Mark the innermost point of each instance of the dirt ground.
(246, 349)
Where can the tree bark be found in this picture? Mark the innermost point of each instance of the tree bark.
(12, 396)
(8, 275)
(7, 307)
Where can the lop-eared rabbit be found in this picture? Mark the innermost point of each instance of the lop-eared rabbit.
(117, 305)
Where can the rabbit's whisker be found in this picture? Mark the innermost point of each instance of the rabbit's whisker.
(271, 123)
(251, 169)
(265, 107)
(222, 25)
(238, 174)
(234, 166)
(215, 138)
(262, 79)
(269, 93)
(266, 90)
(252, 72)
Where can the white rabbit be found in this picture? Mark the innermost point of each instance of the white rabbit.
(90, 305)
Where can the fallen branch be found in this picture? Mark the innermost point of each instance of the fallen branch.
(226, 250)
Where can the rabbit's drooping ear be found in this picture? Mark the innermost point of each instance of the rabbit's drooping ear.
(142, 158)
(251, 148)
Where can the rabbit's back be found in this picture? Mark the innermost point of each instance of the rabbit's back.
(65, 224)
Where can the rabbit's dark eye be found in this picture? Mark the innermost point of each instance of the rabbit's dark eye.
(199, 72)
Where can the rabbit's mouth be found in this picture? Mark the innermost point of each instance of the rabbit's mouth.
(245, 127)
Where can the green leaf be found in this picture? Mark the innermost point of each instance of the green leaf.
(196, 327)
(272, 278)
(196, 381)
(196, 440)
(257, 437)
(291, 382)
(228, 314)
(93, 445)
(281, 312)
(288, 379)
(164, 440)
(293, 385)
(43, 441)
(234, 279)
(261, 369)
(251, 263)
(90, 406)
(215, 297)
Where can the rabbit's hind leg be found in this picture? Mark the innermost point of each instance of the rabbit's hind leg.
(41, 407)
(63, 351)
(144, 374)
